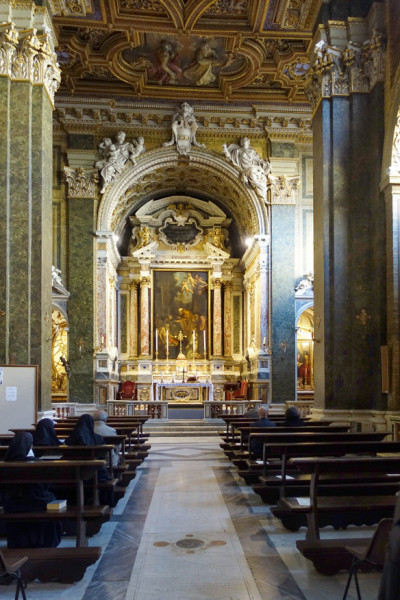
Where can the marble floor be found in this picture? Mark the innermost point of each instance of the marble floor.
(189, 528)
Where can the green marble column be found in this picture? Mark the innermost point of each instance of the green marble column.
(349, 231)
(81, 251)
(25, 204)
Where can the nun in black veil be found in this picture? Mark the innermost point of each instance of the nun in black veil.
(32, 497)
(83, 434)
(45, 434)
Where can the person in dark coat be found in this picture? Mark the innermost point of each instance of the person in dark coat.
(262, 421)
(292, 418)
(45, 434)
(390, 582)
(32, 497)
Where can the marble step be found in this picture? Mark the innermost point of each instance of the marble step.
(182, 428)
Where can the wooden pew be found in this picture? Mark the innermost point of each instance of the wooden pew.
(250, 469)
(56, 472)
(272, 486)
(330, 556)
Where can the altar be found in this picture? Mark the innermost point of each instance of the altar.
(195, 392)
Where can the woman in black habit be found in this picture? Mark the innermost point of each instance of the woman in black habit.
(32, 497)
(83, 434)
(45, 434)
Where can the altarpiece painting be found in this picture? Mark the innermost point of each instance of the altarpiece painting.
(180, 310)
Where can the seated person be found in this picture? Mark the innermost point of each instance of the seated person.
(32, 497)
(83, 434)
(263, 421)
(45, 434)
(292, 418)
(251, 412)
(101, 428)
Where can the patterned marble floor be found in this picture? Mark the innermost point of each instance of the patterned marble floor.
(189, 529)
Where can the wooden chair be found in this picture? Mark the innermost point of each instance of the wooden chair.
(240, 394)
(373, 554)
(127, 391)
(11, 568)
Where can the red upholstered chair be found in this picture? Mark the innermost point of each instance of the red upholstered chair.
(127, 391)
(241, 393)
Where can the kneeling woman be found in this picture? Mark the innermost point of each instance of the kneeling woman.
(32, 497)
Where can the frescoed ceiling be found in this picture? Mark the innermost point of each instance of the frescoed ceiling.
(241, 51)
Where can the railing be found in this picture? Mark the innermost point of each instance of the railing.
(303, 406)
(63, 410)
(126, 408)
(215, 410)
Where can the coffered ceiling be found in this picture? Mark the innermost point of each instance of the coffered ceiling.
(236, 51)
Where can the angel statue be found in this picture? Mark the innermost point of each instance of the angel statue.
(254, 170)
(115, 155)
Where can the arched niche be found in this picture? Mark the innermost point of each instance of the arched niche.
(305, 350)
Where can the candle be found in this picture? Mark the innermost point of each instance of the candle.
(264, 340)
(156, 340)
(194, 342)
(204, 340)
(167, 339)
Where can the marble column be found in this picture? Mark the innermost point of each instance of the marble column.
(133, 327)
(349, 223)
(217, 318)
(29, 77)
(82, 191)
(145, 284)
(228, 319)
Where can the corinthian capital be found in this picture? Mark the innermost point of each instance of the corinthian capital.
(284, 189)
(356, 68)
(26, 56)
(81, 183)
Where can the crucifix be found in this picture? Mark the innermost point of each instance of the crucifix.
(181, 356)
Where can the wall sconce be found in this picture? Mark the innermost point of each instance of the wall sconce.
(81, 345)
(102, 345)
(2, 313)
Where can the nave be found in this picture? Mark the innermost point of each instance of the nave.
(190, 529)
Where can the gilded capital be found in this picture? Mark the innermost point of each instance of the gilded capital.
(27, 56)
(356, 68)
(216, 283)
(81, 183)
(145, 282)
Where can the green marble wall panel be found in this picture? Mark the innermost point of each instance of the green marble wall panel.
(25, 231)
(81, 288)
(5, 214)
(283, 303)
(349, 251)
(282, 149)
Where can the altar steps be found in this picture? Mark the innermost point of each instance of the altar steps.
(183, 428)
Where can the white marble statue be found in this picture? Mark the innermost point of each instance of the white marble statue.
(55, 276)
(115, 155)
(184, 129)
(254, 170)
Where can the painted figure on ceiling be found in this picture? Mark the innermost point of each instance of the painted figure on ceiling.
(167, 70)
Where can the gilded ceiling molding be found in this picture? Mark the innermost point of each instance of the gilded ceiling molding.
(152, 123)
(162, 171)
(341, 72)
(81, 183)
(26, 56)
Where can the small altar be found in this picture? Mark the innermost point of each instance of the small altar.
(195, 392)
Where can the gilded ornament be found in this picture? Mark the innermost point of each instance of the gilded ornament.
(81, 183)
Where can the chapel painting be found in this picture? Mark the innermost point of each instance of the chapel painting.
(180, 314)
(189, 61)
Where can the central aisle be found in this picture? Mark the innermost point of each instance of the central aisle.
(189, 547)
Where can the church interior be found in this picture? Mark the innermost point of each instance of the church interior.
(200, 209)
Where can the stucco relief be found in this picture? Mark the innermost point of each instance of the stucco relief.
(184, 127)
(254, 170)
(115, 155)
(395, 166)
